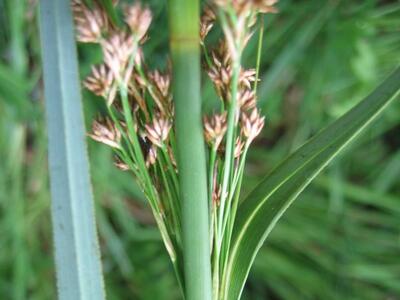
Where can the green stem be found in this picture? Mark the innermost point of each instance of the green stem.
(213, 156)
(259, 52)
(172, 202)
(207, 57)
(171, 168)
(230, 145)
(235, 202)
(185, 50)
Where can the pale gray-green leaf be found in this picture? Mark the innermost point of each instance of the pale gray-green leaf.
(79, 274)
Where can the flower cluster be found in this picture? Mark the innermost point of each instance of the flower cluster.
(230, 132)
(140, 111)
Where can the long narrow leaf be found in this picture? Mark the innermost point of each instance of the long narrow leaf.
(78, 263)
(268, 201)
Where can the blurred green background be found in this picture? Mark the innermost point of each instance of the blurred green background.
(340, 240)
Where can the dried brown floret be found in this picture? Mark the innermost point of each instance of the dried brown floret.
(151, 157)
(214, 129)
(247, 99)
(105, 131)
(252, 125)
(117, 50)
(90, 23)
(138, 19)
(162, 82)
(239, 146)
(206, 22)
(99, 81)
(247, 77)
(158, 131)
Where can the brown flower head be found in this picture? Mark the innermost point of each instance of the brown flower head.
(247, 99)
(252, 125)
(221, 71)
(105, 131)
(77, 6)
(247, 77)
(89, 23)
(99, 81)
(158, 131)
(215, 129)
(159, 86)
(162, 83)
(239, 145)
(138, 19)
(151, 157)
(206, 22)
(117, 50)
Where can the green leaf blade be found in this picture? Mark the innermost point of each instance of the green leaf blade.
(269, 200)
(79, 274)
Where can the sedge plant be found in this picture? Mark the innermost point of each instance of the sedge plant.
(191, 171)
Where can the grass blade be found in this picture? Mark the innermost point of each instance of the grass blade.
(79, 274)
(185, 48)
(268, 201)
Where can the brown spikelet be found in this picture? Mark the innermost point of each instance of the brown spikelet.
(220, 72)
(159, 86)
(89, 23)
(247, 99)
(151, 157)
(158, 131)
(214, 129)
(162, 83)
(239, 145)
(206, 22)
(105, 131)
(138, 19)
(117, 50)
(252, 125)
(99, 81)
(247, 77)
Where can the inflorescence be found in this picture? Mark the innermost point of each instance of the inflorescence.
(140, 112)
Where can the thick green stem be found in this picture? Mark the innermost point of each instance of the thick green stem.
(185, 49)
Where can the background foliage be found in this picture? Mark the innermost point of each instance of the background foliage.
(341, 240)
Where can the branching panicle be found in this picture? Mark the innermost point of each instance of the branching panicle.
(141, 113)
